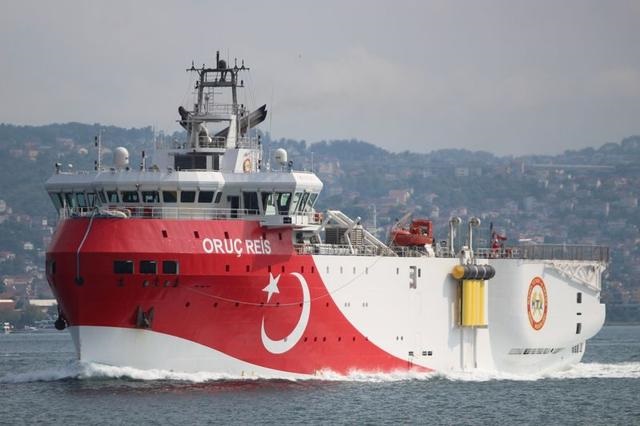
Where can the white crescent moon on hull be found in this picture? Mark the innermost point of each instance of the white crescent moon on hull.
(283, 345)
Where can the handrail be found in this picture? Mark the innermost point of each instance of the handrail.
(547, 252)
(164, 212)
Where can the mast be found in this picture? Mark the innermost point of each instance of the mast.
(206, 110)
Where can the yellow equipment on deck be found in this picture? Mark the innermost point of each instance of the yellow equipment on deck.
(473, 295)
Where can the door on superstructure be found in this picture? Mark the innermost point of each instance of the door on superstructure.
(234, 204)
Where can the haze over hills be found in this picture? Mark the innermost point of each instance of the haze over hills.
(587, 196)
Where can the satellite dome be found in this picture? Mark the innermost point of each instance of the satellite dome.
(281, 156)
(121, 157)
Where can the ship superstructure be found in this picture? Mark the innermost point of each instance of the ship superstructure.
(206, 257)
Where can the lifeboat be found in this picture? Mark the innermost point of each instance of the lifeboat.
(418, 233)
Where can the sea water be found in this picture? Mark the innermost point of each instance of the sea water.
(40, 382)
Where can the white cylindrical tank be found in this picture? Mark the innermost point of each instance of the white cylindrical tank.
(281, 156)
(121, 157)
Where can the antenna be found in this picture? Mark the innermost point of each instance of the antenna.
(98, 144)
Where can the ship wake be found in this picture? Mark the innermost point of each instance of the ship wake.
(77, 370)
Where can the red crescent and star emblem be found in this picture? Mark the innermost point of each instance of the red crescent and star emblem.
(283, 345)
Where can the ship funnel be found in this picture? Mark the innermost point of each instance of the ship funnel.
(121, 157)
(474, 222)
(454, 222)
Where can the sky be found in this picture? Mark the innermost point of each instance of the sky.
(508, 77)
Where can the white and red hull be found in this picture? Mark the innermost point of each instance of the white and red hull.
(245, 303)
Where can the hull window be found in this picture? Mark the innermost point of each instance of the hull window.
(169, 267)
(123, 267)
(148, 267)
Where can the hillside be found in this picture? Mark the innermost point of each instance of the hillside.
(581, 196)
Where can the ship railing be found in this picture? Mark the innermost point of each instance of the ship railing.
(547, 252)
(340, 250)
(215, 142)
(221, 142)
(215, 108)
(164, 212)
(411, 251)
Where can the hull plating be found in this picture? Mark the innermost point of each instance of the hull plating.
(243, 302)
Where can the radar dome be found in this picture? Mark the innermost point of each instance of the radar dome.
(121, 157)
(281, 156)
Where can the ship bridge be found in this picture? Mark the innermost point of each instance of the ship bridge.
(217, 172)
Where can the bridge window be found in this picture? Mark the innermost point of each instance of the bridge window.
(250, 200)
(150, 197)
(296, 201)
(303, 202)
(311, 202)
(123, 266)
(187, 196)
(218, 197)
(91, 199)
(205, 196)
(112, 197)
(148, 267)
(284, 201)
(82, 201)
(169, 267)
(169, 196)
(103, 197)
(70, 199)
(269, 203)
(190, 162)
(56, 198)
(130, 197)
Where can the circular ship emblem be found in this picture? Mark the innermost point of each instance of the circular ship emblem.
(537, 303)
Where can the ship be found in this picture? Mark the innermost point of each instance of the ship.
(209, 256)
